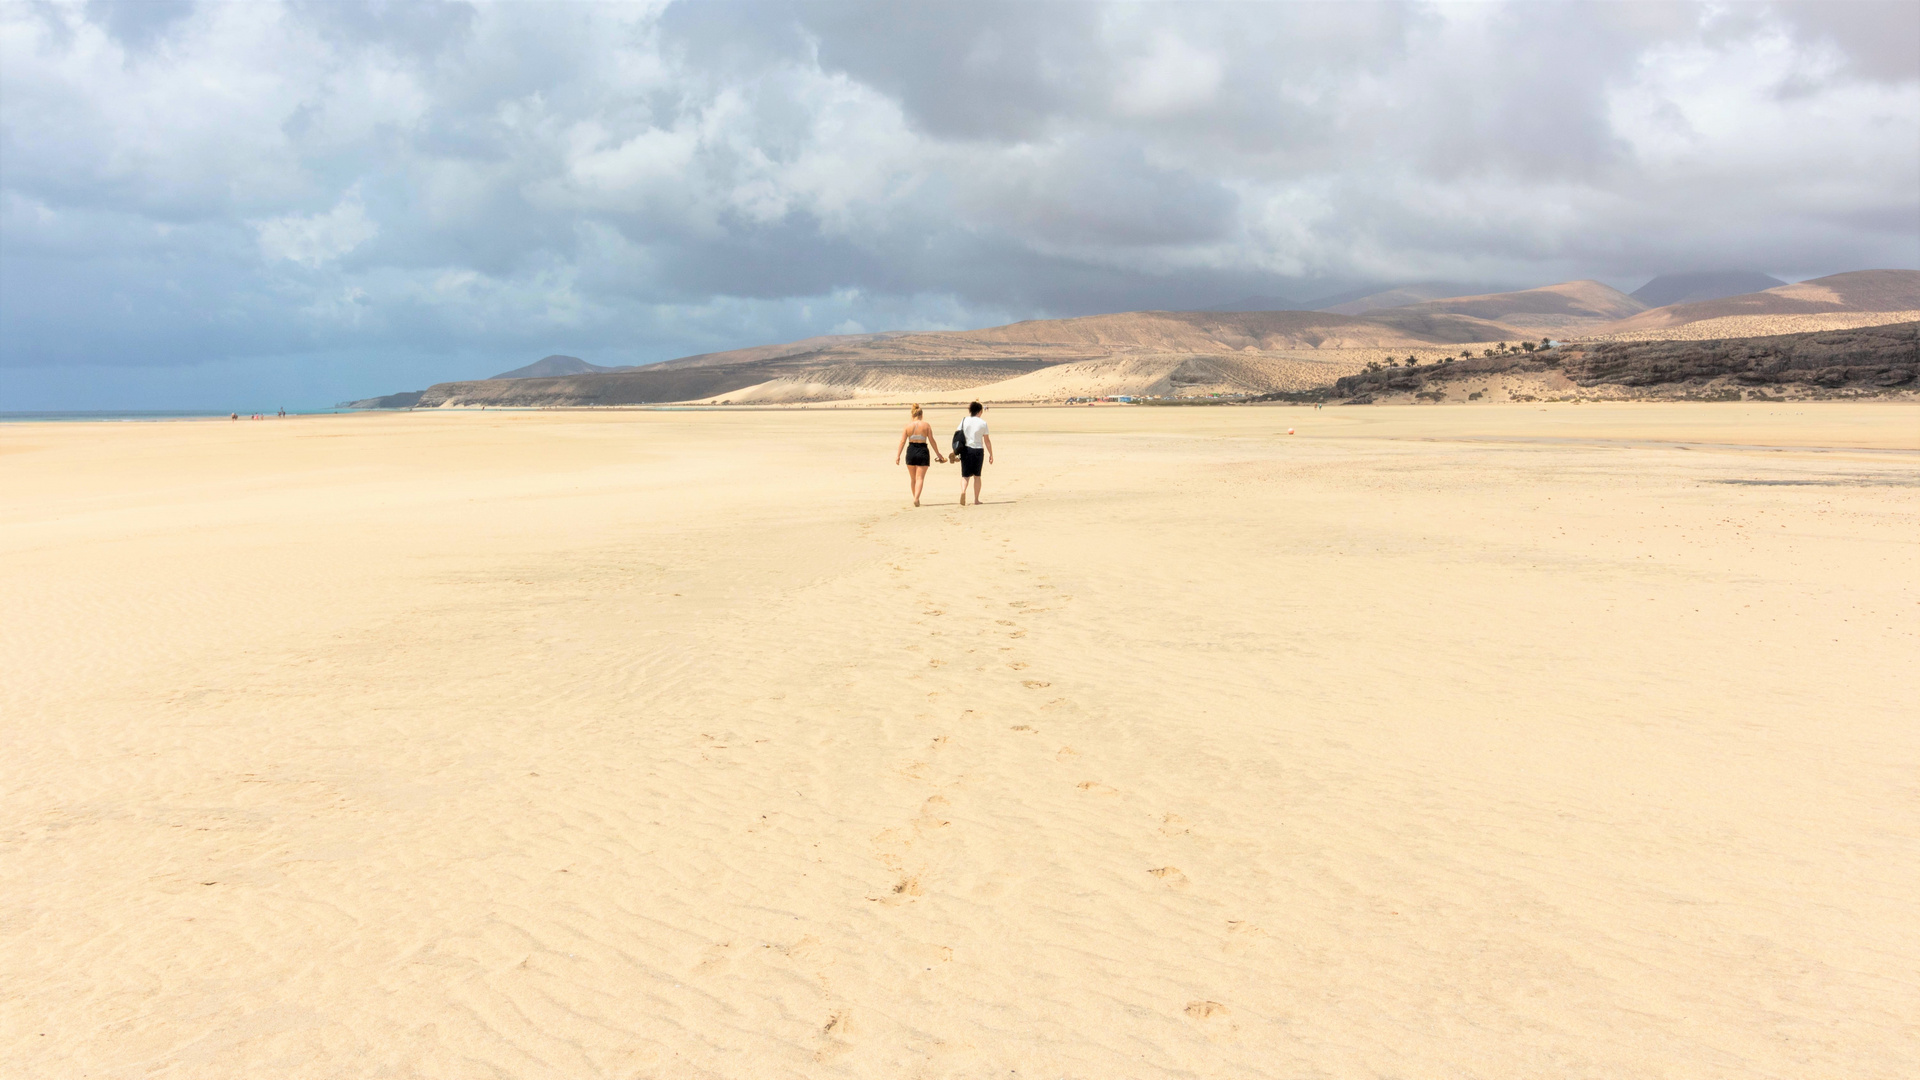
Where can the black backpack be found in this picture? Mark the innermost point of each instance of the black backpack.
(959, 439)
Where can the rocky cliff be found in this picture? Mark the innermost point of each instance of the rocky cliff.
(1869, 359)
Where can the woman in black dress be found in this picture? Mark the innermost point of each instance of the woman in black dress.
(916, 439)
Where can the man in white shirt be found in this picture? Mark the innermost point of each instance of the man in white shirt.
(978, 451)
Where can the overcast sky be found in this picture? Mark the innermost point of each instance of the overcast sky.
(242, 205)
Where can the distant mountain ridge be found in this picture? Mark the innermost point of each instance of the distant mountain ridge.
(1702, 285)
(1243, 350)
(1262, 303)
(1358, 301)
(1568, 307)
(1185, 352)
(404, 400)
(1854, 292)
(1401, 296)
(544, 368)
(548, 367)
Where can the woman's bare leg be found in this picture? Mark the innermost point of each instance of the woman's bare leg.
(916, 479)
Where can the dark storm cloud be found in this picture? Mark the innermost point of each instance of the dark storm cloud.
(137, 24)
(422, 27)
(402, 188)
(1880, 38)
(998, 71)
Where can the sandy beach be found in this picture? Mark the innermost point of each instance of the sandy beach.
(1503, 741)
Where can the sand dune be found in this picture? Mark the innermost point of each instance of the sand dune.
(767, 382)
(1227, 350)
(1148, 332)
(1467, 742)
(1176, 351)
(1148, 375)
(1175, 376)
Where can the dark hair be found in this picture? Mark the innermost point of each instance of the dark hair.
(974, 409)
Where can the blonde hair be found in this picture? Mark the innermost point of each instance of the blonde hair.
(916, 412)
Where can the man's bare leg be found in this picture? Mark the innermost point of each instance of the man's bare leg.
(976, 491)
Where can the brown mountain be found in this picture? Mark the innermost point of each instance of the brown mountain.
(902, 363)
(757, 353)
(550, 366)
(1567, 307)
(1152, 352)
(1861, 291)
(1403, 296)
(1104, 335)
(1694, 286)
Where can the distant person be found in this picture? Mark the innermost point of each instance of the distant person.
(976, 450)
(283, 411)
(916, 439)
(233, 416)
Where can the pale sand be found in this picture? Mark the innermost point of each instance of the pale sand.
(1736, 326)
(1169, 375)
(1172, 376)
(1498, 742)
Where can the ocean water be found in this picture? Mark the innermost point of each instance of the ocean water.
(138, 415)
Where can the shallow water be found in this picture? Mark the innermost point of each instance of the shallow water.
(139, 415)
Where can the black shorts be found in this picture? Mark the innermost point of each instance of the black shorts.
(917, 454)
(971, 462)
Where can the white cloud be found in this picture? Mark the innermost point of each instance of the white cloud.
(653, 180)
(1169, 78)
(316, 239)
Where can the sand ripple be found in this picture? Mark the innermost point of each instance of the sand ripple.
(657, 745)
